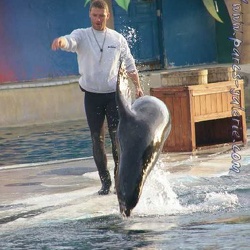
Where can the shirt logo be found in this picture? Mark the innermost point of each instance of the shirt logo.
(111, 47)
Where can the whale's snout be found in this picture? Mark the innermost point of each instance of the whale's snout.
(124, 210)
(127, 194)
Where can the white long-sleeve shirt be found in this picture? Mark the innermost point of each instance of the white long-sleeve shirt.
(98, 69)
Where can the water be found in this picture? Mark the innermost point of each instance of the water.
(176, 211)
(42, 143)
(188, 202)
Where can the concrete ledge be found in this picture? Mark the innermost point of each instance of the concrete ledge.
(40, 83)
(50, 100)
(55, 100)
(41, 102)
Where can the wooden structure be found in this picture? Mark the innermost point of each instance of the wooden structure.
(202, 115)
(187, 77)
(219, 74)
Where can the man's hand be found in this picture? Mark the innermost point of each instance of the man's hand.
(139, 92)
(58, 43)
(133, 75)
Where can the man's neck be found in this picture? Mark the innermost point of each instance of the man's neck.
(101, 30)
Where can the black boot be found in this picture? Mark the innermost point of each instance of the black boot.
(106, 184)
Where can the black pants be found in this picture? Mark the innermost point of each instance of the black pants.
(97, 107)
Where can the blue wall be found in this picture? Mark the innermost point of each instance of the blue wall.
(27, 28)
(189, 33)
(139, 25)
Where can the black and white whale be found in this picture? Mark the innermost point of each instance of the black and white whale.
(142, 131)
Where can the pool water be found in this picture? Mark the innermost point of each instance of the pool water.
(43, 143)
(174, 212)
(177, 210)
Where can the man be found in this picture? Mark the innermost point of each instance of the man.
(99, 53)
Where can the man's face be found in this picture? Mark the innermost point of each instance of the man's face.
(98, 18)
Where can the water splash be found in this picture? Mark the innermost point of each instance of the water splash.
(159, 196)
(218, 201)
(130, 35)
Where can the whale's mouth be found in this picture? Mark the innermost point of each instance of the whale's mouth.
(124, 210)
(128, 193)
